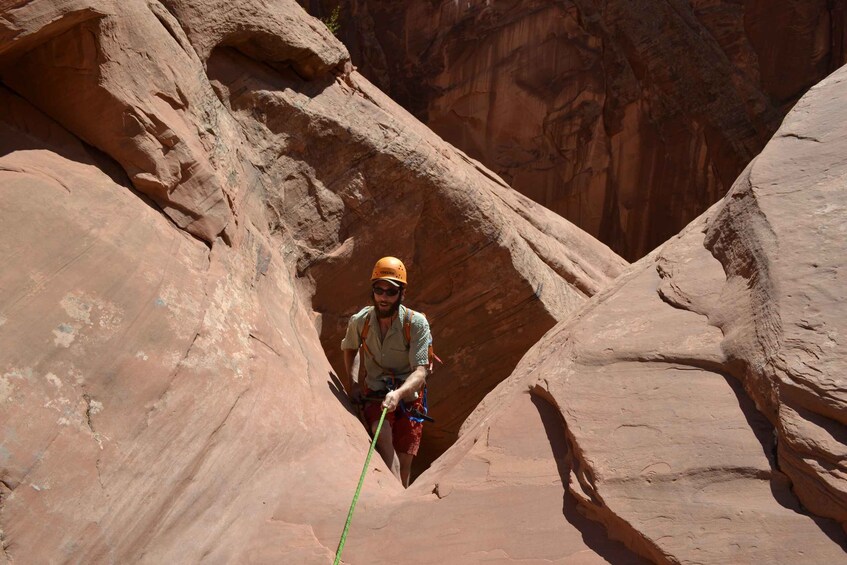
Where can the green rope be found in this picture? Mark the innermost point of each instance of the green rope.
(358, 490)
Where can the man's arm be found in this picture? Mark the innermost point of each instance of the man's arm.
(353, 391)
(350, 346)
(414, 383)
(418, 358)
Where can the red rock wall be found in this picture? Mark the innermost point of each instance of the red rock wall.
(702, 396)
(192, 195)
(627, 117)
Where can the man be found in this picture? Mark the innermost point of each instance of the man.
(395, 353)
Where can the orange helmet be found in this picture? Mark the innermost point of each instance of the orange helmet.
(390, 269)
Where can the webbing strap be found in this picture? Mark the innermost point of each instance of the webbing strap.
(358, 490)
(407, 326)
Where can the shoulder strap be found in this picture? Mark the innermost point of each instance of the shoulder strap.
(366, 327)
(364, 348)
(407, 326)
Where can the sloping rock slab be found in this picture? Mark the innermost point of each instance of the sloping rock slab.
(502, 502)
(703, 393)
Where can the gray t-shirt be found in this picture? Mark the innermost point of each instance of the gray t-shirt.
(391, 352)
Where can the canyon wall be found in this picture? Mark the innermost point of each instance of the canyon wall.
(192, 197)
(629, 118)
(696, 408)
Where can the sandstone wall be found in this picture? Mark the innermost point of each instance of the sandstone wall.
(193, 194)
(629, 118)
(701, 398)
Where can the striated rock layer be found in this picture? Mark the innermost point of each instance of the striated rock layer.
(193, 195)
(702, 397)
(628, 117)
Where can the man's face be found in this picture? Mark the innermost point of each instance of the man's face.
(385, 303)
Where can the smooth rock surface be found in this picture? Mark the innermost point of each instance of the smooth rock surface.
(502, 501)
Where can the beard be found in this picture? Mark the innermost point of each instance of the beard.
(389, 311)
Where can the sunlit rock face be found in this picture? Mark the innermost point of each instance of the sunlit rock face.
(694, 409)
(192, 195)
(702, 398)
(629, 118)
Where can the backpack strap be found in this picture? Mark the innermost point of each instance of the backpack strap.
(363, 348)
(407, 326)
(366, 328)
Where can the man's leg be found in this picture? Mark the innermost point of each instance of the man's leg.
(407, 440)
(385, 446)
(405, 467)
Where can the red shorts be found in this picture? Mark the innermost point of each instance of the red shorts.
(405, 432)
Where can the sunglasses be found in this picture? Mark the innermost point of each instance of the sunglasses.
(387, 291)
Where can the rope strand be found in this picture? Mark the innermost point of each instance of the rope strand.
(358, 490)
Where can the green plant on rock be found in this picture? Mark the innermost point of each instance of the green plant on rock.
(333, 21)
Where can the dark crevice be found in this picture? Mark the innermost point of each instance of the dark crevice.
(676, 361)
(759, 424)
(268, 49)
(167, 19)
(5, 490)
(800, 137)
(87, 398)
(96, 436)
(266, 344)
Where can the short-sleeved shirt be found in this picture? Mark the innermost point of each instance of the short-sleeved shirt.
(392, 352)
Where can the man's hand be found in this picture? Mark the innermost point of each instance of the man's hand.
(392, 400)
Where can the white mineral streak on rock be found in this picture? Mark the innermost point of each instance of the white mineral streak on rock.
(53, 380)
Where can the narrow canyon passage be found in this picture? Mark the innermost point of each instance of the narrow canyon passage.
(503, 501)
